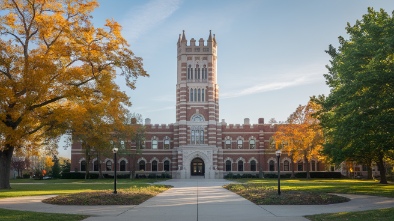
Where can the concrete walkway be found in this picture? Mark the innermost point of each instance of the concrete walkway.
(198, 200)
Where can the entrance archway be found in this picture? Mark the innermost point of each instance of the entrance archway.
(197, 167)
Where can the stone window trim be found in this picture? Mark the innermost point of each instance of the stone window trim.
(286, 165)
(154, 166)
(240, 142)
(253, 165)
(166, 166)
(82, 164)
(197, 134)
(240, 165)
(108, 165)
(154, 143)
(166, 142)
(142, 165)
(228, 165)
(227, 142)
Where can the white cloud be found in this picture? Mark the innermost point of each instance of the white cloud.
(143, 19)
(307, 75)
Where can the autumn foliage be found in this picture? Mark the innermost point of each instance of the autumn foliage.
(302, 137)
(56, 70)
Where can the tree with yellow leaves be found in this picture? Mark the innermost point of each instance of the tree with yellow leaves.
(54, 65)
(302, 136)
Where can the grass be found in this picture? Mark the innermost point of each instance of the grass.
(134, 195)
(78, 192)
(370, 215)
(13, 215)
(29, 187)
(348, 186)
(323, 186)
(262, 195)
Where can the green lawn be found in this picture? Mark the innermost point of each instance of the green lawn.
(369, 215)
(30, 187)
(13, 215)
(350, 186)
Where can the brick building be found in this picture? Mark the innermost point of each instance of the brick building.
(198, 144)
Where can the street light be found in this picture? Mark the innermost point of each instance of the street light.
(115, 150)
(278, 152)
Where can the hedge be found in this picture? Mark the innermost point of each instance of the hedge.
(335, 175)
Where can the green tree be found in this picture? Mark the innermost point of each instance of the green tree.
(52, 59)
(56, 167)
(358, 114)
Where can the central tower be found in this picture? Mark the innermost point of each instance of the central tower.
(196, 132)
(197, 92)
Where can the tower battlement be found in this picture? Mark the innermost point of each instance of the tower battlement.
(194, 47)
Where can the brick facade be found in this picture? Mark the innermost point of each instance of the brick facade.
(197, 143)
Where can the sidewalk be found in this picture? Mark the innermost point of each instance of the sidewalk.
(198, 200)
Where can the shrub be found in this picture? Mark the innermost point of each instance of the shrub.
(71, 175)
(335, 175)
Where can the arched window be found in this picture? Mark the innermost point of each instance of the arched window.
(96, 165)
(83, 165)
(205, 72)
(199, 95)
(189, 72)
(195, 94)
(313, 165)
(108, 165)
(141, 165)
(191, 94)
(228, 165)
(286, 165)
(300, 166)
(166, 165)
(272, 165)
(122, 166)
(240, 165)
(197, 72)
(202, 95)
(252, 144)
(154, 165)
(253, 165)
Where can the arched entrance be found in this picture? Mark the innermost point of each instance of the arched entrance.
(197, 167)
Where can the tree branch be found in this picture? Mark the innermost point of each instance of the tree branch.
(45, 102)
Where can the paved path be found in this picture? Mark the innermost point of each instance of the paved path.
(197, 200)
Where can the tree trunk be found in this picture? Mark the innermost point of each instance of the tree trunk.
(292, 169)
(369, 169)
(5, 167)
(87, 155)
(99, 167)
(382, 169)
(308, 174)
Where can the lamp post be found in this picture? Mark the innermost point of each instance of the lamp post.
(278, 152)
(115, 150)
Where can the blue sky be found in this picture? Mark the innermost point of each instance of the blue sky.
(270, 53)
